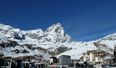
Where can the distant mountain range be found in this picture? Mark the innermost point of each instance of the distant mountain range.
(15, 43)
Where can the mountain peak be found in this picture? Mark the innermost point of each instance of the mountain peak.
(55, 27)
(58, 24)
(57, 31)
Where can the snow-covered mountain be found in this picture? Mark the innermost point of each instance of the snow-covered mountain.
(15, 42)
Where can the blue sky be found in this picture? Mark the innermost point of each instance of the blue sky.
(84, 20)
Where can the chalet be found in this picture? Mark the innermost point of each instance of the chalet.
(93, 56)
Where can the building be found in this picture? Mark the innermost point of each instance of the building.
(53, 60)
(108, 60)
(93, 56)
(64, 60)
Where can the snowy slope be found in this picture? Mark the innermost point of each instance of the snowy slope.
(106, 44)
(78, 49)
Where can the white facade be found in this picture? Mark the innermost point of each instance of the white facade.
(91, 56)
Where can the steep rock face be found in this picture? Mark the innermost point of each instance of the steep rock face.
(57, 33)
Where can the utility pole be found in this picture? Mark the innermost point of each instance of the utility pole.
(114, 54)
